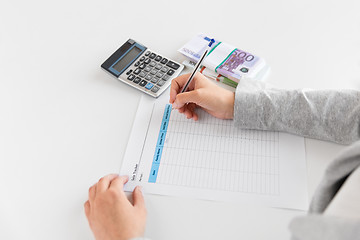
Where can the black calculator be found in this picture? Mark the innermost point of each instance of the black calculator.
(142, 68)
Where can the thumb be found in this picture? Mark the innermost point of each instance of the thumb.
(138, 198)
(187, 97)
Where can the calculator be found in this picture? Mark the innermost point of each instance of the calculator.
(142, 68)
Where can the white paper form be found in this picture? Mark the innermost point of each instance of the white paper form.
(211, 159)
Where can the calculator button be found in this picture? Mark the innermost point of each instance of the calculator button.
(137, 64)
(152, 56)
(158, 67)
(164, 61)
(143, 83)
(130, 71)
(148, 77)
(158, 58)
(137, 71)
(147, 61)
(153, 72)
(170, 72)
(166, 77)
(147, 69)
(164, 69)
(149, 86)
(155, 89)
(159, 75)
(142, 66)
(137, 80)
(142, 58)
(131, 77)
(152, 64)
(147, 53)
(155, 79)
(161, 82)
(173, 65)
(142, 74)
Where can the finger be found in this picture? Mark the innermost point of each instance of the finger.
(176, 86)
(104, 183)
(192, 108)
(92, 192)
(187, 97)
(138, 198)
(188, 113)
(182, 109)
(195, 116)
(118, 182)
(87, 209)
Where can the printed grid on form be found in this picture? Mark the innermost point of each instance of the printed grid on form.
(211, 153)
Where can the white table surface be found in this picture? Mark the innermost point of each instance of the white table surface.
(64, 122)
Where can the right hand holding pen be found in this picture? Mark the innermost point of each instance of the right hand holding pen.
(203, 93)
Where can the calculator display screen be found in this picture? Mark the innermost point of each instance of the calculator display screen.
(128, 58)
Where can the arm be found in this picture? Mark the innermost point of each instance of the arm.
(346, 201)
(334, 209)
(327, 115)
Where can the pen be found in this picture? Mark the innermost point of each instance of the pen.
(197, 66)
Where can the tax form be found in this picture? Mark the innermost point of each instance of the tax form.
(211, 159)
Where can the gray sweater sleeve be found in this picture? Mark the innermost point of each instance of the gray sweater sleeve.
(327, 115)
(317, 226)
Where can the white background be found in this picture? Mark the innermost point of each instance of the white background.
(64, 122)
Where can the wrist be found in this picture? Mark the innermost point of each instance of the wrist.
(230, 100)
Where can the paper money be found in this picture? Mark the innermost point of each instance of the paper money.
(237, 64)
(211, 74)
(224, 59)
(194, 49)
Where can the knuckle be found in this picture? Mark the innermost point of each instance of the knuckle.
(198, 93)
(112, 193)
(179, 98)
(101, 179)
(123, 178)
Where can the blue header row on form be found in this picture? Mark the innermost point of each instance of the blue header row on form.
(160, 144)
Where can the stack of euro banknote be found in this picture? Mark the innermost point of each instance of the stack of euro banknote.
(224, 63)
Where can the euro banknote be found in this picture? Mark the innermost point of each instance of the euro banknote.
(224, 59)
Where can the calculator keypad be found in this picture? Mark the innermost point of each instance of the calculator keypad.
(137, 80)
(137, 71)
(155, 89)
(143, 83)
(173, 65)
(170, 72)
(150, 72)
(166, 77)
(158, 58)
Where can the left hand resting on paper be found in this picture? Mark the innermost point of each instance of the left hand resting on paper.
(110, 214)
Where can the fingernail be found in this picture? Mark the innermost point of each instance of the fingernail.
(175, 105)
(139, 188)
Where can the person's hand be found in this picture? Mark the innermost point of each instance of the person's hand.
(203, 93)
(110, 214)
